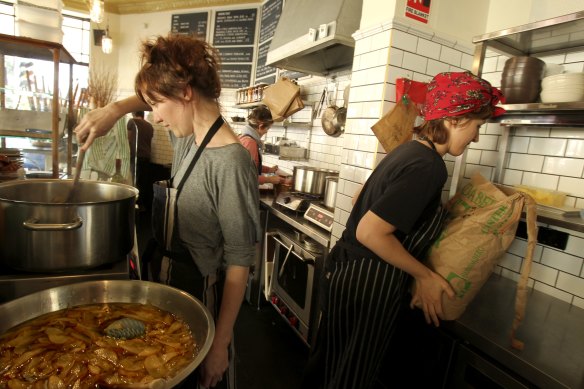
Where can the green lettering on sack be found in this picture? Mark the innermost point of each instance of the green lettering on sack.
(481, 199)
(475, 258)
(460, 284)
(439, 239)
(490, 225)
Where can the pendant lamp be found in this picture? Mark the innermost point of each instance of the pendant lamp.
(107, 43)
(96, 10)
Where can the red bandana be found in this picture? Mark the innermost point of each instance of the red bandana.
(454, 94)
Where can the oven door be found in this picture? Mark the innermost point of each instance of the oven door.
(292, 282)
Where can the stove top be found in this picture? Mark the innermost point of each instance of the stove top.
(297, 201)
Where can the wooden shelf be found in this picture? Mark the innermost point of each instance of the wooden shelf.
(23, 134)
(20, 46)
(248, 105)
(56, 53)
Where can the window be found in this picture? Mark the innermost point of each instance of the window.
(29, 82)
(6, 18)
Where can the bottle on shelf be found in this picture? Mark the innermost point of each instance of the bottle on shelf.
(118, 177)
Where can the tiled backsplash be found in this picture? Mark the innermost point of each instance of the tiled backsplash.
(162, 151)
(551, 158)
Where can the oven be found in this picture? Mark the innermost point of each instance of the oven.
(294, 253)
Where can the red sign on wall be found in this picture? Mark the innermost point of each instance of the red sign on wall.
(418, 10)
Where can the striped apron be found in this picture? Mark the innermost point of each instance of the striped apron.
(361, 297)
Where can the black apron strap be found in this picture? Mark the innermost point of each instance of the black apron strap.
(212, 131)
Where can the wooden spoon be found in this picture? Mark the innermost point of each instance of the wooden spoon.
(75, 186)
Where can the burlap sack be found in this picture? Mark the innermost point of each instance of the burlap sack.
(481, 227)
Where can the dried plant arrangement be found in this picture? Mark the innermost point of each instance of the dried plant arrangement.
(103, 83)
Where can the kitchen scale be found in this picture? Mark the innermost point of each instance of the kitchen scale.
(320, 215)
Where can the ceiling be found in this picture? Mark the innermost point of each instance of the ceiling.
(123, 7)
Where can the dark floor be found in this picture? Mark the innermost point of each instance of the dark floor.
(269, 355)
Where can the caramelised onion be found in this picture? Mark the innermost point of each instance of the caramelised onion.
(69, 349)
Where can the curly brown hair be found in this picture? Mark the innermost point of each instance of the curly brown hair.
(435, 129)
(171, 63)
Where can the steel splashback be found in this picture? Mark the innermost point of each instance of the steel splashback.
(293, 48)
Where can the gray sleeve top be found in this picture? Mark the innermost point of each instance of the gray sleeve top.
(218, 208)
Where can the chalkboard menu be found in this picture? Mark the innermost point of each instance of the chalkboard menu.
(235, 76)
(261, 69)
(236, 27)
(236, 54)
(192, 23)
(271, 11)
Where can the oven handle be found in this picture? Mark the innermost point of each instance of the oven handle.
(268, 279)
(285, 260)
(307, 260)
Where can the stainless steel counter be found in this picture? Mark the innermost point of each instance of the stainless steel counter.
(553, 333)
(296, 220)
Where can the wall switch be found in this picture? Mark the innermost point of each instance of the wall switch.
(311, 34)
(322, 31)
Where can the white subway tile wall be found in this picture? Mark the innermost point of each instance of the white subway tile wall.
(162, 151)
(551, 158)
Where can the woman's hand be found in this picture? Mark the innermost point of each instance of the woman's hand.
(274, 179)
(214, 366)
(94, 124)
(99, 121)
(428, 295)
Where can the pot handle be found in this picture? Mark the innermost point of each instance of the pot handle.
(33, 224)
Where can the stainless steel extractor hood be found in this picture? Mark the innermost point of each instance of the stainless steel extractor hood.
(315, 36)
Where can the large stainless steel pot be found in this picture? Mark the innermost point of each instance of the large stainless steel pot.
(38, 233)
(311, 180)
(173, 300)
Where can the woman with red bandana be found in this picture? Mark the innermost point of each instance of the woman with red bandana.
(395, 217)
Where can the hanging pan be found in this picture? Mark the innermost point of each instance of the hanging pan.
(334, 117)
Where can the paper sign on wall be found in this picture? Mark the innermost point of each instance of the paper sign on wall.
(418, 10)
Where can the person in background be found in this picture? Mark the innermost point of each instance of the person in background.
(395, 218)
(217, 225)
(259, 122)
(140, 134)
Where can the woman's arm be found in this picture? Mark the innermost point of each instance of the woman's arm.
(99, 121)
(217, 361)
(378, 236)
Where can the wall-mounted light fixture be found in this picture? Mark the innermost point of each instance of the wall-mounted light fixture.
(96, 10)
(107, 44)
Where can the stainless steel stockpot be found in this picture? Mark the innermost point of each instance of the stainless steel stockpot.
(165, 297)
(40, 233)
(311, 180)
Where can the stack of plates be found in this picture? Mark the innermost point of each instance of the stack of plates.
(563, 88)
(15, 159)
